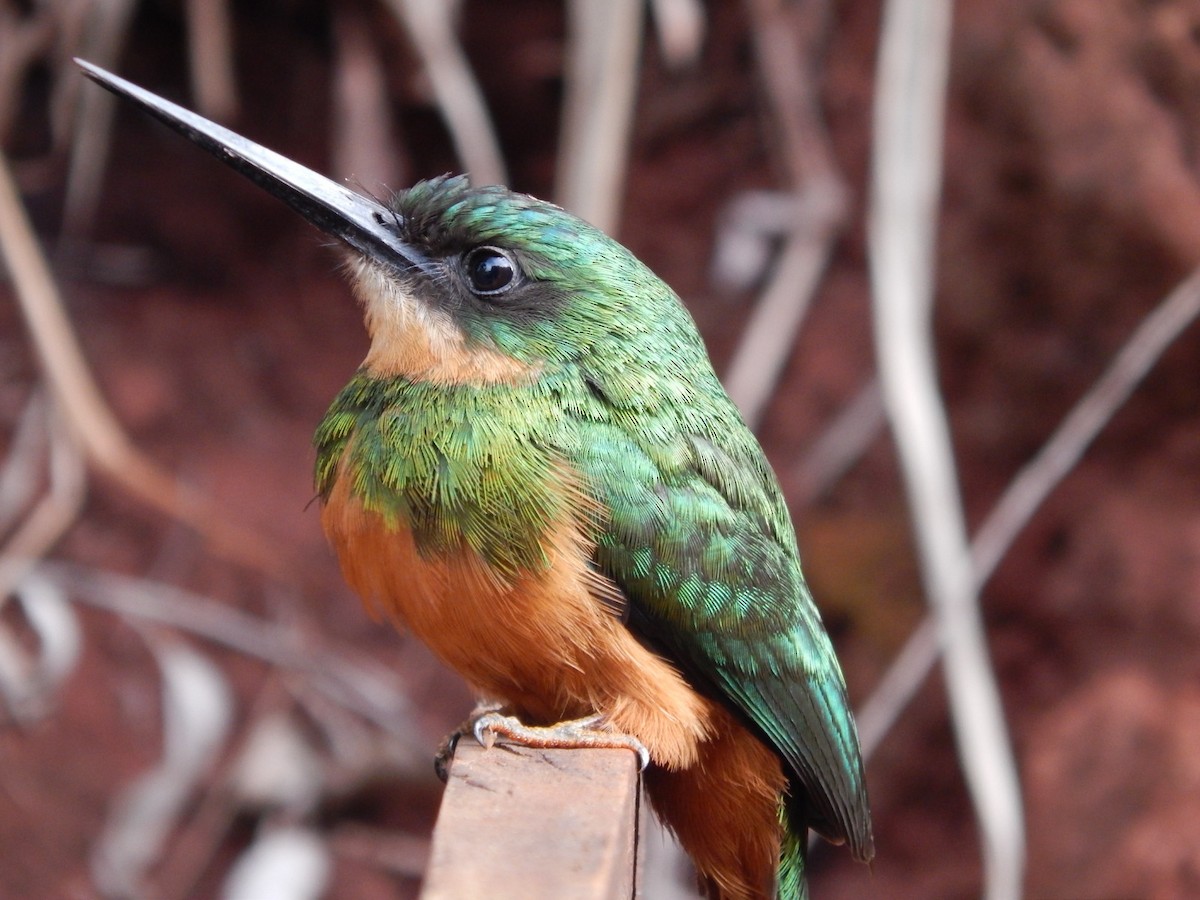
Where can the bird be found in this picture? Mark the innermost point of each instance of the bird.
(537, 472)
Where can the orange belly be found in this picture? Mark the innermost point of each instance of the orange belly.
(725, 811)
(546, 645)
(542, 643)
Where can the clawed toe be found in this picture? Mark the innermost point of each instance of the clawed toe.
(591, 731)
(445, 752)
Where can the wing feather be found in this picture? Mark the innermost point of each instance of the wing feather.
(697, 535)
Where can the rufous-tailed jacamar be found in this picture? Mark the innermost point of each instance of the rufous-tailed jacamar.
(537, 472)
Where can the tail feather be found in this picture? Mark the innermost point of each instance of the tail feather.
(791, 883)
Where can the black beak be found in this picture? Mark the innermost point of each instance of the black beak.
(367, 226)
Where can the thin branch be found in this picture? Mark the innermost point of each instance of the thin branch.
(680, 25)
(19, 476)
(201, 834)
(197, 712)
(363, 148)
(910, 91)
(770, 334)
(210, 58)
(603, 48)
(79, 399)
(283, 860)
(52, 515)
(429, 25)
(1030, 488)
(898, 686)
(1093, 411)
(820, 209)
(76, 35)
(786, 44)
(841, 444)
(107, 27)
(352, 685)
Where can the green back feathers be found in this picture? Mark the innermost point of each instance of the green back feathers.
(791, 883)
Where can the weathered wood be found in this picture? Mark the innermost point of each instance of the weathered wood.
(520, 823)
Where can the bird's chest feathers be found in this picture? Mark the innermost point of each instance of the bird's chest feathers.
(452, 519)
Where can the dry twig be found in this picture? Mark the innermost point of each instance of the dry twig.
(910, 89)
(1062, 452)
(429, 25)
(52, 515)
(605, 38)
(363, 149)
(1029, 489)
(210, 58)
(90, 420)
(841, 444)
(101, 42)
(197, 710)
(353, 685)
(680, 25)
(19, 476)
(820, 206)
(285, 861)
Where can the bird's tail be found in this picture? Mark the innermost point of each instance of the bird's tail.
(790, 883)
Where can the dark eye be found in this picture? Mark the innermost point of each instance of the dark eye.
(490, 271)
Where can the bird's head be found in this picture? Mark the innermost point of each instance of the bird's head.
(496, 284)
(459, 284)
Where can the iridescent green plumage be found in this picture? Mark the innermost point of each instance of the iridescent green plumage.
(693, 529)
(528, 374)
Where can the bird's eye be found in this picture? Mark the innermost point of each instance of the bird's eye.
(490, 271)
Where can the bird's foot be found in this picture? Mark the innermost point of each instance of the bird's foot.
(590, 731)
(445, 753)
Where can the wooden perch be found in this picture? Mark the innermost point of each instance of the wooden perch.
(519, 823)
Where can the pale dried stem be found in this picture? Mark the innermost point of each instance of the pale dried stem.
(196, 713)
(52, 515)
(841, 444)
(1063, 450)
(198, 838)
(75, 33)
(107, 26)
(19, 477)
(785, 45)
(210, 58)
(813, 178)
(1029, 489)
(603, 48)
(770, 334)
(354, 686)
(680, 25)
(910, 91)
(429, 25)
(363, 149)
(91, 422)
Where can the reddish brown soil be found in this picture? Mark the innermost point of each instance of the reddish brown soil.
(1071, 206)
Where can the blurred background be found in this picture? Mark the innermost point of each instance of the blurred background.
(190, 693)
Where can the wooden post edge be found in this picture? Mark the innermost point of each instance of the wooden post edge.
(523, 823)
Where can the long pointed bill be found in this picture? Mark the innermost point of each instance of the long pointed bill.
(364, 224)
